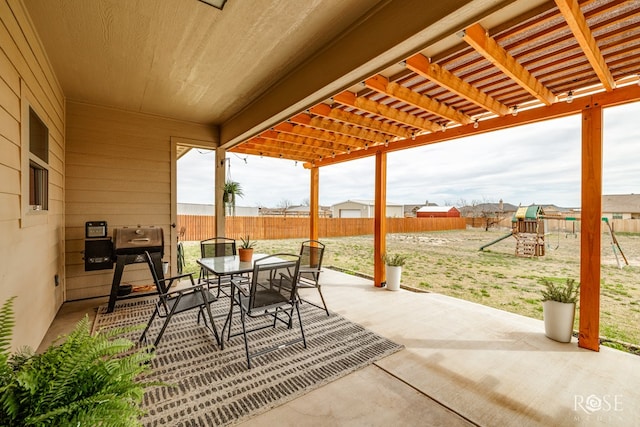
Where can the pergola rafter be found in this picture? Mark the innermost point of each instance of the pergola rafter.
(441, 76)
(477, 38)
(381, 84)
(370, 123)
(570, 9)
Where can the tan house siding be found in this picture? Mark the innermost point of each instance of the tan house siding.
(119, 169)
(31, 253)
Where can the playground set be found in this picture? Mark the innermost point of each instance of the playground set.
(528, 228)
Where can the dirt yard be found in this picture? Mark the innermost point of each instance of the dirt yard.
(451, 263)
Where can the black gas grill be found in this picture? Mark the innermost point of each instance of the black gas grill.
(129, 246)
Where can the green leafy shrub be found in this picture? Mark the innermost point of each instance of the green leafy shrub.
(567, 293)
(85, 381)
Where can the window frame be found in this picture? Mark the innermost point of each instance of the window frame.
(30, 215)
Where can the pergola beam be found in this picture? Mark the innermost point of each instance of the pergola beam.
(361, 103)
(477, 37)
(382, 85)
(576, 20)
(358, 120)
(277, 150)
(442, 77)
(303, 141)
(324, 128)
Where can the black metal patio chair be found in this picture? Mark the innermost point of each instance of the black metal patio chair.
(171, 302)
(311, 254)
(270, 292)
(215, 247)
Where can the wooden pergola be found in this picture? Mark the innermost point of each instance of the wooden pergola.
(558, 59)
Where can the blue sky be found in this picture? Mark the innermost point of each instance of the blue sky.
(538, 163)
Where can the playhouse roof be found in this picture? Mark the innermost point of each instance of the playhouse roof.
(529, 212)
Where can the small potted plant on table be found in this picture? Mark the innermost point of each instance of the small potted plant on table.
(246, 249)
(394, 265)
(559, 308)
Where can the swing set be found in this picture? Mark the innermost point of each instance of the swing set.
(528, 228)
(615, 245)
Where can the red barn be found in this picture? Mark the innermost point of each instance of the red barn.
(438, 212)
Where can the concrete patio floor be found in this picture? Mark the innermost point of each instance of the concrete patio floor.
(463, 364)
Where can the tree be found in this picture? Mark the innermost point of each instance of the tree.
(470, 210)
(232, 189)
(284, 204)
(492, 214)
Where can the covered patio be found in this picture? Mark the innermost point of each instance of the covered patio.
(124, 88)
(463, 364)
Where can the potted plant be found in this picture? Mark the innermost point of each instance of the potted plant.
(394, 265)
(246, 249)
(232, 189)
(559, 308)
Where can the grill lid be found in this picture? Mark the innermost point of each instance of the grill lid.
(137, 240)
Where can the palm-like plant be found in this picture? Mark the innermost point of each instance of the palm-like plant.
(232, 189)
(87, 380)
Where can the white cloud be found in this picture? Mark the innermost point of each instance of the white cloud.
(537, 163)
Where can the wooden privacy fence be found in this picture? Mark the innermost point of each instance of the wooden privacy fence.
(198, 227)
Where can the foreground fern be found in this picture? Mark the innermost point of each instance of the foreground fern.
(85, 381)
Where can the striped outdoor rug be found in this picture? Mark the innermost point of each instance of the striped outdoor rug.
(214, 387)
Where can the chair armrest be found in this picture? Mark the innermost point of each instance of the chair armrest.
(285, 282)
(241, 284)
(189, 290)
(174, 278)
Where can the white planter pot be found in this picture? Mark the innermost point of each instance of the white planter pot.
(558, 320)
(393, 277)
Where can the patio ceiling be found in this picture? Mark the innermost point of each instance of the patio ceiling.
(472, 80)
(326, 81)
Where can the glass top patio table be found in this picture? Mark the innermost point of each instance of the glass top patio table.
(231, 264)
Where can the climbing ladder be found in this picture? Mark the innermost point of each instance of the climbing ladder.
(529, 245)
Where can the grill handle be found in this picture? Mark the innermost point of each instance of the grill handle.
(140, 240)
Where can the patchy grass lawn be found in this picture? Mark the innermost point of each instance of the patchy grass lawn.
(450, 263)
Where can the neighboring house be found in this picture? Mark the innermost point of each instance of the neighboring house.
(501, 208)
(438, 212)
(553, 210)
(364, 209)
(209, 210)
(621, 206)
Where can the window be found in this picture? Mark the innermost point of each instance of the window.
(617, 216)
(38, 163)
(35, 161)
